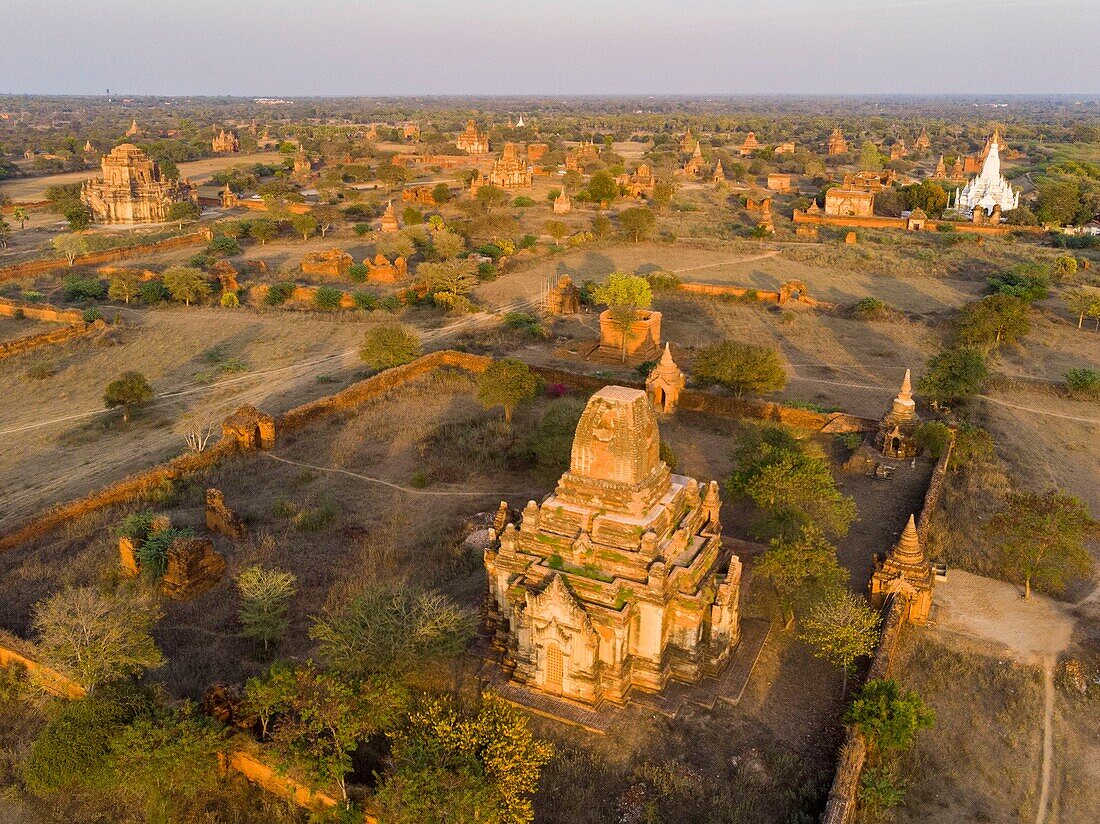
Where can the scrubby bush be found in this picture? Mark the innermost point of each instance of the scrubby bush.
(390, 344)
(279, 293)
(357, 273)
(327, 298)
(932, 438)
(367, 301)
(153, 292)
(1085, 382)
(81, 288)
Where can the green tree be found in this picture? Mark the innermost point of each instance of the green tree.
(491, 197)
(507, 383)
(870, 158)
(305, 225)
(953, 374)
(740, 367)
(1083, 302)
(71, 246)
(625, 295)
(663, 192)
(1041, 538)
(926, 195)
(841, 630)
(317, 719)
(456, 277)
(637, 222)
(96, 638)
(888, 717)
(601, 227)
(125, 285)
(130, 390)
(21, 214)
(447, 245)
(78, 215)
(791, 488)
(602, 187)
(167, 758)
(556, 229)
(327, 217)
(992, 321)
(183, 211)
(391, 631)
(168, 169)
(802, 570)
(453, 764)
(552, 439)
(1064, 267)
(263, 230)
(441, 193)
(265, 595)
(186, 283)
(388, 345)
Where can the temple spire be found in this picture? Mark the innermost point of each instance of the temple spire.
(909, 549)
(906, 392)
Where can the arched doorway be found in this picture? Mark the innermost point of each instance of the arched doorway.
(895, 446)
(555, 669)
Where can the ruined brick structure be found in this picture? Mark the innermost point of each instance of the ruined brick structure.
(193, 568)
(897, 430)
(580, 156)
(249, 428)
(380, 270)
(643, 339)
(333, 263)
(750, 145)
(837, 142)
(849, 202)
(618, 580)
(781, 182)
(664, 383)
(223, 520)
(640, 184)
(132, 190)
(564, 298)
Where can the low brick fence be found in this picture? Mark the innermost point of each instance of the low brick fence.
(50, 680)
(18, 346)
(842, 802)
(33, 268)
(38, 311)
(878, 222)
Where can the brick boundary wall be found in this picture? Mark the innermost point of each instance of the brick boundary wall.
(18, 346)
(40, 311)
(877, 222)
(135, 486)
(40, 267)
(841, 805)
(50, 680)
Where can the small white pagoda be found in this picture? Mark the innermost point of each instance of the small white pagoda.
(988, 190)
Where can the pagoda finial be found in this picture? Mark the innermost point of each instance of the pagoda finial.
(909, 549)
(906, 392)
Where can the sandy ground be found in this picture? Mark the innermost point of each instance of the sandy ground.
(995, 612)
(32, 189)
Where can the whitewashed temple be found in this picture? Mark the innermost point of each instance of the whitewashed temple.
(989, 189)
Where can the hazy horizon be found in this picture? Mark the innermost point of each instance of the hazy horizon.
(492, 48)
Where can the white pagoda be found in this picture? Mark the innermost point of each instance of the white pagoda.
(988, 190)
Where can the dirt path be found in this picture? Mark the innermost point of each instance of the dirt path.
(1048, 739)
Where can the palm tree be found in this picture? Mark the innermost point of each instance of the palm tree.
(20, 213)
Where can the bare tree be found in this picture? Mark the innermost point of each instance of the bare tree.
(199, 432)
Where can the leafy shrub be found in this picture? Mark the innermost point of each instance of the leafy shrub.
(202, 261)
(361, 229)
(1083, 381)
(932, 438)
(279, 293)
(528, 241)
(327, 298)
(153, 292)
(663, 281)
(31, 296)
(224, 245)
(136, 525)
(366, 301)
(79, 288)
(523, 202)
(153, 552)
(390, 344)
(91, 315)
(870, 309)
(525, 322)
(358, 273)
(41, 371)
(1028, 283)
(314, 519)
(229, 300)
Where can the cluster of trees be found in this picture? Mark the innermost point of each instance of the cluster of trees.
(127, 744)
(799, 508)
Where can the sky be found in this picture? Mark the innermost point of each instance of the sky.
(549, 47)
